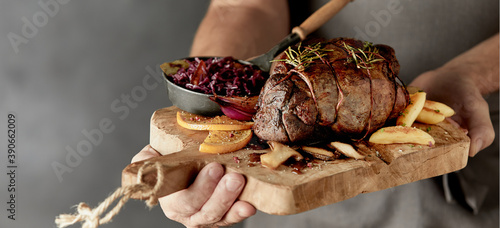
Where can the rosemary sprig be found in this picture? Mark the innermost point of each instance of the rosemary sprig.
(302, 57)
(363, 58)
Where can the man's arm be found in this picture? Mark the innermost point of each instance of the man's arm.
(481, 64)
(461, 83)
(241, 29)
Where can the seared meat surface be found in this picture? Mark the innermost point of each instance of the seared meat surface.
(340, 87)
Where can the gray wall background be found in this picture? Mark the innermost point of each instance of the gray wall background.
(62, 78)
(62, 81)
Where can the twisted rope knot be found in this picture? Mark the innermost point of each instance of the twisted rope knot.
(91, 217)
(86, 214)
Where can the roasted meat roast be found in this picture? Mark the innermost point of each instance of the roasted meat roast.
(320, 89)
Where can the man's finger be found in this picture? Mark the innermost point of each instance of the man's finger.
(240, 211)
(181, 205)
(223, 197)
(481, 130)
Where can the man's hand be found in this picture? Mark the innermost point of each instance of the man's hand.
(460, 93)
(461, 84)
(211, 200)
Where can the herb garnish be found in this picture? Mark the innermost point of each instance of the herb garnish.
(363, 58)
(302, 57)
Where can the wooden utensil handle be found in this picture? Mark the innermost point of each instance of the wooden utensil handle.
(177, 175)
(320, 17)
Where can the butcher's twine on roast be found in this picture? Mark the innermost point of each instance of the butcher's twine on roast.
(350, 90)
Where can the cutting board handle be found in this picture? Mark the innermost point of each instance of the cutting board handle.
(177, 175)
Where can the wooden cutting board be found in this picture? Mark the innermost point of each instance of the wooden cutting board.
(283, 192)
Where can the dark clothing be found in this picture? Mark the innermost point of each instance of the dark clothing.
(425, 34)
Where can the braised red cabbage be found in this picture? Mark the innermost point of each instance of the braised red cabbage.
(222, 76)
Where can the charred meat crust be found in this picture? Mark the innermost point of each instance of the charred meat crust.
(332, 97)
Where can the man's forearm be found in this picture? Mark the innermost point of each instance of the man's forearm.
(481, 63)
(241, 28)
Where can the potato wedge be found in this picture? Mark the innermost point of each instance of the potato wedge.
(413, 89)
(439, 107)
(346, 149)
(320, 153)
(278, 155)
(409, 115)
(400, 134)
(429, 116)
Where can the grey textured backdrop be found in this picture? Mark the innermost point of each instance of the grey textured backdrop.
(70, 66)
(62, 67)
